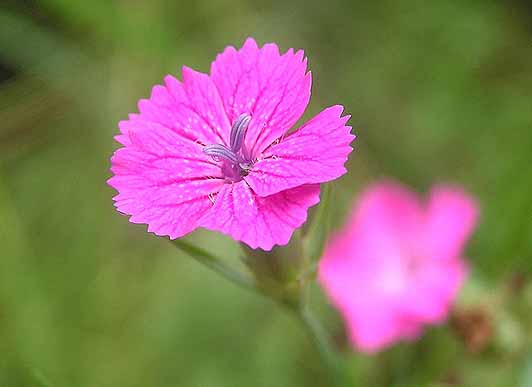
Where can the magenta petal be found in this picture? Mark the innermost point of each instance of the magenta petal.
(434, 287)
(316, 153)
(124, 126)
(374, 329)
(386, 223)
(192, 109)
(397, 266)
(260, 221)
(273, 88)
(163, 181)
(371, 323)
(186, 156)
(451, 217)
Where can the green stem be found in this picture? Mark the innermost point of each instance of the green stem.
(312, 325)
(308, 273)
(216, 264)
(323, 343)
(318, 230)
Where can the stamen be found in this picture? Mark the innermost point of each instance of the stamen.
(219, 151)
(236, 161)
(238, 132)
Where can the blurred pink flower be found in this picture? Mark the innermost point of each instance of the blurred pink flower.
(214, 152)
(397, 264)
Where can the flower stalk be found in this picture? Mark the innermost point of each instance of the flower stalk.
(216, 264)
(286, 296)
(324, 345)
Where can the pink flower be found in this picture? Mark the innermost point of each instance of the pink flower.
(397, 265)
(213, 150)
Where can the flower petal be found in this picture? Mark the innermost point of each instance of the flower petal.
(376, 328)
(163, 181)
(452, 215)
(434, 288)
(315, 153)
(372, 244)
(397, 265)
(192, 109)
(362, 269)
(124, 126)
(373, 321)
(274, 89)
(256, 221)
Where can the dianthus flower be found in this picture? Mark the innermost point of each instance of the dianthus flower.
(214, 150)
(397, 264)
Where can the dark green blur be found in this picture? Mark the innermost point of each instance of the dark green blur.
(437, 90)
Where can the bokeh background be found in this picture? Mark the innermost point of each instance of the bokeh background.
(438, 91)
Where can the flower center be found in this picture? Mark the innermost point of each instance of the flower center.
(235, 160)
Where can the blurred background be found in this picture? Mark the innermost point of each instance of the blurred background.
(438, 91)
